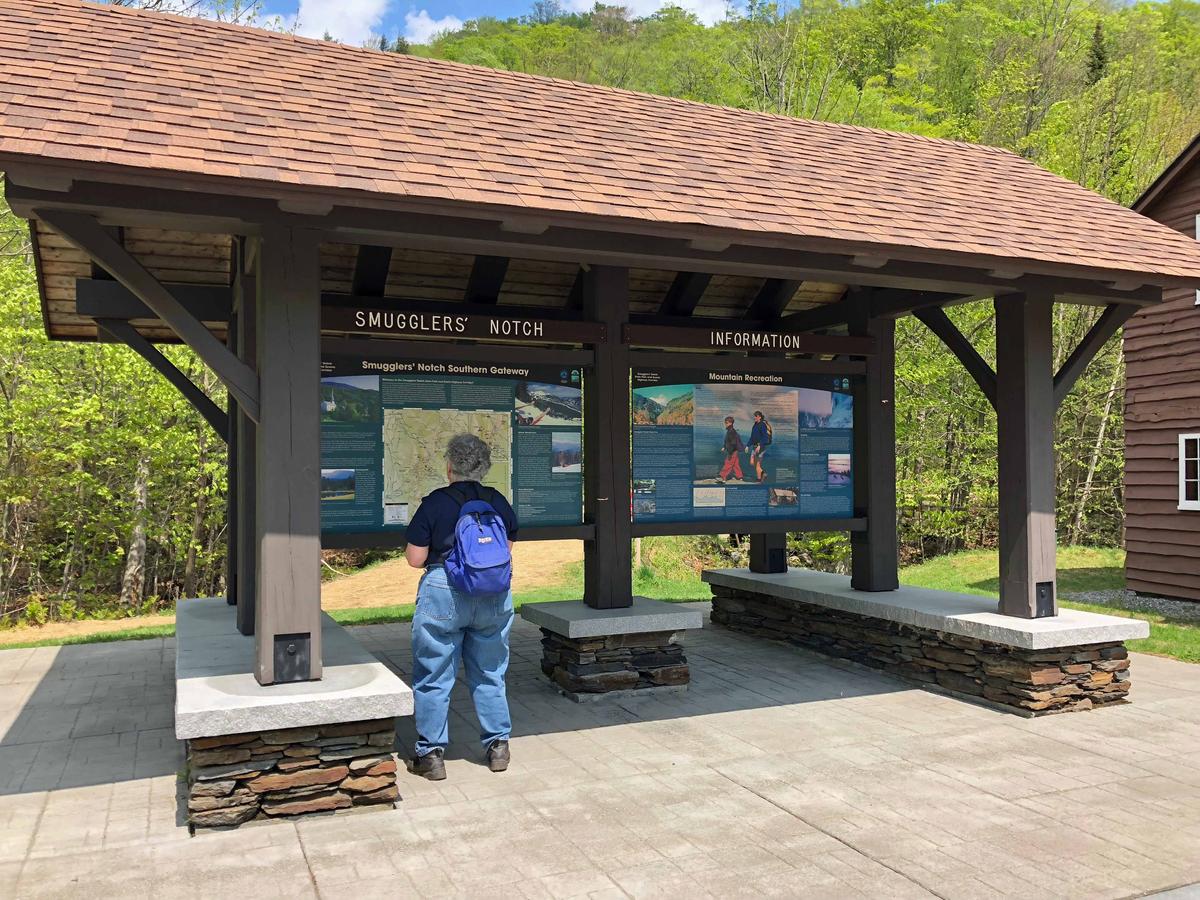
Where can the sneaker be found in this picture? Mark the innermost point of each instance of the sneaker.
(498, 756)
(429, 766)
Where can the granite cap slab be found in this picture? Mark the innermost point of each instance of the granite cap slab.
(952, 613)
(216, 692)
(575, 619)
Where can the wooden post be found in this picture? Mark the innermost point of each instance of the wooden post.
(607, 559)
(247, 438)
(287, 511)
(874, 562)
(768, 553)
(1025, 425)
(231, 479)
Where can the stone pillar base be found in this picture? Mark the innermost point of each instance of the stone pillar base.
(586, 667)
(235, 778)
(1030, 682)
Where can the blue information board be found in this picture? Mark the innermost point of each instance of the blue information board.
(723, 445)
(385, 424)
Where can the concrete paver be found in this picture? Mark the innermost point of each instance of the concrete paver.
(778, 773)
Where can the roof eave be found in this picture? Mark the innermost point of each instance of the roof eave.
(1167, 177)
(60, 176)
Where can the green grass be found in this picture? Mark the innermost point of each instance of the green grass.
(1079, 569)
(669, 572)
(125, 634)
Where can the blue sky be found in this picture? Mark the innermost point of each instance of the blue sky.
(353, 21)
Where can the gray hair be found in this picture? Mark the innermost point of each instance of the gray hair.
(469, 458)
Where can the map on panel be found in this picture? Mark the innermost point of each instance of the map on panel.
(386, 421)
(414, 450)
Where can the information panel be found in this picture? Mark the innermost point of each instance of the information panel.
(385, 425)
(725, 445)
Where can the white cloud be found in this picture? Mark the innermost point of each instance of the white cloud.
(348, 21)
(420, 27)
(707, 11)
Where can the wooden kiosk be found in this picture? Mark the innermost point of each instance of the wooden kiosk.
(251, 212)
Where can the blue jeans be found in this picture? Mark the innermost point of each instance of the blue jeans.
(448, 626)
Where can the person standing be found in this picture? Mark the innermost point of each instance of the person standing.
(761, 435)
(733, 448)
(462, 536)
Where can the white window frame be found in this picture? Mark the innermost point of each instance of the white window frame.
(1184, 503)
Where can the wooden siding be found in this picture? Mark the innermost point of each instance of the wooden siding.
(1162, 400)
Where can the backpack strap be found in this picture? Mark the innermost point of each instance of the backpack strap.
(456, 495)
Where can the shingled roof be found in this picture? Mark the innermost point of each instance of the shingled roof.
(152, 93)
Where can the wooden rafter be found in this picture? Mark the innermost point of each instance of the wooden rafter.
(487, 278)
(684, 294)
(1109, 323)
(128, 335)
(90, 236)
(936, 320)
(772, 299)
(371, 270)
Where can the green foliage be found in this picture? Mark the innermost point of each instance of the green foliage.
(75, 421)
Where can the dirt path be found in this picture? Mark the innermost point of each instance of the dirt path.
(535, 564)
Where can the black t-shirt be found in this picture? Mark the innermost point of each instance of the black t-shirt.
(432, 525)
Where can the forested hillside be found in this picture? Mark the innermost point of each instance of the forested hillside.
(104, 462)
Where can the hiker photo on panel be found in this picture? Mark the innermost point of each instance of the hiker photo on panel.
(761, 435)
(732, 448)
(462, 535)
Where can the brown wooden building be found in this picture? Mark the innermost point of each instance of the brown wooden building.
(1162, 410)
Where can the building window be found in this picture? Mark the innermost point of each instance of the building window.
(1189, 471)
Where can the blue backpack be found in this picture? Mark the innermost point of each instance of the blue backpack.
(480, 562)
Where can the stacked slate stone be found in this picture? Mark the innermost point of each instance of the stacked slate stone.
(619, 662)
(289, 772)
(1033, 682)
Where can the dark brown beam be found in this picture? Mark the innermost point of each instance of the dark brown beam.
(575, 297)
(84, 232)
(287, 508)
(451, 307)
(747, 526)
(734, 336)
(487, 278)
(394, 538)
(888, 303)
(936, 320)
(246, 301)
(830, 315)
(371, 269)
(128, 335)
(684, 294)
(231, 470)
(109, 299)
(768, 553)
(447, 351)
(874, 553)
(1025, 456)
(772, 299)
(608, 559)
(117, 234)
(709, 362)
(1105, 327)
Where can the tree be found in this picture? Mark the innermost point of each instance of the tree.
(1097, 62)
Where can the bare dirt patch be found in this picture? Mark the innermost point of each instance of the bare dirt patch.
(535, 564)
(58, 631)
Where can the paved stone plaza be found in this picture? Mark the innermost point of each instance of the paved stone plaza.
(778, 773)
